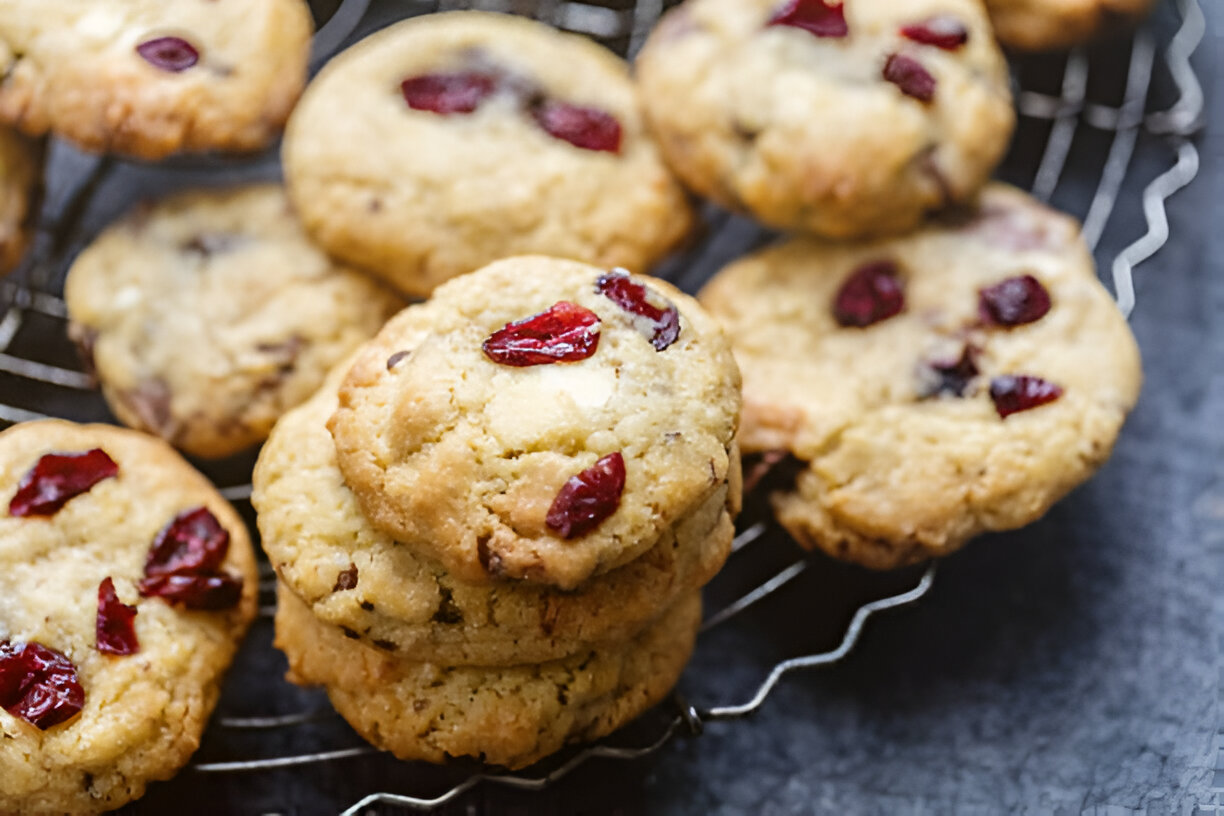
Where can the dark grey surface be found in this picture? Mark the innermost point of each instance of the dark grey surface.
(1072, 667)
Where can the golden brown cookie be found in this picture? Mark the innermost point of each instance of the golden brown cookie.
(840, 119)
(1044, 25)
(356, 578)
(81, 507)
(540, 419)
(511, 716)
(209, 314)
(933, 387)
(148, 78)
(449, 141)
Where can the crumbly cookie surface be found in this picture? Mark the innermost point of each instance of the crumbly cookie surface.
(356, 578)
(511, 716)
(75, 67)
(208, 315)
(805, 132)
(895, 466)
(143, 713)
(463, 458)
(420, 197)
(1042, 25)
(19, 174)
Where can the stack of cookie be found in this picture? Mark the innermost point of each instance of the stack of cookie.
(490, 527)
(919, 380)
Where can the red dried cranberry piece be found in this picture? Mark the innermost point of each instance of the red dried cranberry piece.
(1014, 302)
(908, 74)
(588, 498)
(193, 542)
(58, 477)
(210, 591)
(38, 684)
(448, 93)
(587, 128)
(184, 562)
(1015, 393)
(872, 293)
(562, 334)
(814, 16)
(942, 31)
(952, 377)
(660, 324)
(169, 53)
(116, 627)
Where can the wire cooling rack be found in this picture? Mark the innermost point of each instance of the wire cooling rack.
(1100, 102)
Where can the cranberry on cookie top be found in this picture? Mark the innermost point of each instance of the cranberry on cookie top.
(540, 419)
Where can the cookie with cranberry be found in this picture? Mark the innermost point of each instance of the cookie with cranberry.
(126, 582)
(929, 388)
(1043, 25)
(841, 119)
(540, 419)
(448, 141)
(357, 578)
(20, 170)
(150, 78)
(208, 315)
(511, 715)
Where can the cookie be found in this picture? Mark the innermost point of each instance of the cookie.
(19, 176)
(510, 716)
(149, 78)
(540, 419)
(210, 314)
(842, 120)
(449, 141)
(93, 519)
(1043, 25)
(353, 577)
(952, 382)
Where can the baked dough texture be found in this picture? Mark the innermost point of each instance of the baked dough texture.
(889, 472)
(209, 314)
(460, 458)
(72, 67)
(1044, 25)
(143, 713)
(510, 715)
(355, 578)
(804, 133)
(420, 197)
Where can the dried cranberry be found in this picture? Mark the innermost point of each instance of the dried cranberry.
(952, 377)
(814, 16)
(564, 333)
(908, 74)
(588, 498)
(38, 684)
(58, 477)
(587, 128)
(193, 542)
(183, 566)
(1014, 301)
(116, 627)
(942, 31)
(660, 324)
(872, 293)
(169, 53)
(448, 93)
(206, 591)
(1015, 393)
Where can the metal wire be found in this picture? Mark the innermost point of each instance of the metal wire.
(31, 291)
